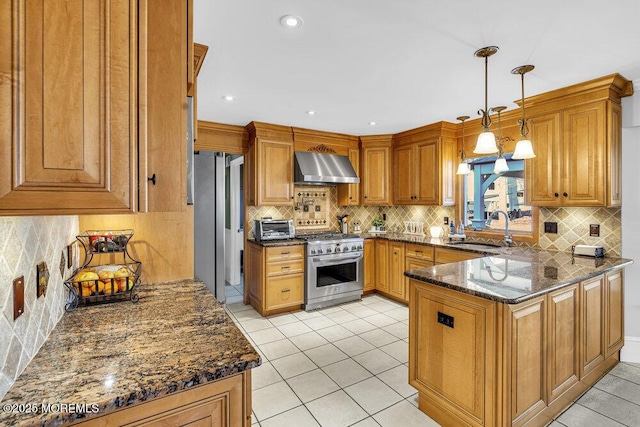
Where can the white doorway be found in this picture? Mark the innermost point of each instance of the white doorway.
(234, 229)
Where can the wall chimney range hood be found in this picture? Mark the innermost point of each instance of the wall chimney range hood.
(316, 168)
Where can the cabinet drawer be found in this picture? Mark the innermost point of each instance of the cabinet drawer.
(419, 251)
(284, 291)
(285, 267)
(284, 253)
(444, 256)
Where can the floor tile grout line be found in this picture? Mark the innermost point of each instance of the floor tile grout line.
(611, 394)
(597, 412)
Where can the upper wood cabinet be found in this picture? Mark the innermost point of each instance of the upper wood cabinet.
(68, 88)
(375, 182)
(424, 166)
(349, 194)
(576, 134)
(270, 165)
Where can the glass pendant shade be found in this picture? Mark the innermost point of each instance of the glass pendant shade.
(463, 169)
(501, 165)
(524, 150)
(486, 143)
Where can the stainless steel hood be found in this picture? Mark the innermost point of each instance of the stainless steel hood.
(315, 168)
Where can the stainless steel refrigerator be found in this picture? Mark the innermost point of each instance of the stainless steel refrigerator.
(209, 216)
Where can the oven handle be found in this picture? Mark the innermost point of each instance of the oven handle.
(335, 258)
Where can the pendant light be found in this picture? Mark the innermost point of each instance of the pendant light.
(486, 143)
(463, 167)
(524, 149)
(501, 163)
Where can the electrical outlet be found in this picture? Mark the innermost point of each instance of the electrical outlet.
(42, 279)
(551, 227)
(594, 230)
(384, 216)
(18, 297)
(70, 255)
(446, 220)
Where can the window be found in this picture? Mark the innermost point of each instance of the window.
(485, 193)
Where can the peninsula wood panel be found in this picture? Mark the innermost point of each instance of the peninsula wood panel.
(527, 359)
(591, 318)
(563, 315)
(69, 115)
(614, 319)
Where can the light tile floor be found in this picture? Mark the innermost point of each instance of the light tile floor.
(348, 366)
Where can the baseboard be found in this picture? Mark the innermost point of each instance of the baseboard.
(631, 350)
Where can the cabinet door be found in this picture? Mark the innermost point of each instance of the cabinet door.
(412, 263)
(382, 275)
(444, 256)
(163, 107)
(349, 194)
(375, 176)
(404, 172)
(68, 117)
(396, 271)
(284, 291)
(254, 274)
(369, 265)
(448, 166)
(591, 328)
(526, 359)
(275, 177)
(562, 351)
(427, 172)
(542, 173)
(614, 319)
(584, 146)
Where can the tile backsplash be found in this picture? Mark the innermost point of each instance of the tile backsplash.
(26, 242)
(573, 223)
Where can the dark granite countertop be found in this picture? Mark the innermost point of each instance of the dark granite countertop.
(518, 276)
(177, 336)
(278, 242)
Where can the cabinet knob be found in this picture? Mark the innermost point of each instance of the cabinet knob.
(565, 194)
(291, 197)
(365, 197)
(286, 290)
(152, 179)
(556, 194)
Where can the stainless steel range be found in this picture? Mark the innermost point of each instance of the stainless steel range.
(334, 269)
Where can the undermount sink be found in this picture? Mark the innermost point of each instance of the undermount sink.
(475, 244)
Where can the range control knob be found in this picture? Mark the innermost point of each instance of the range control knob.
(313, 251)
(339, 249)
(329, 250)
(320, 250)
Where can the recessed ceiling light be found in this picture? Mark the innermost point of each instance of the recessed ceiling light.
(373, 123)
(311, 112)
(229, 98)
(291, 21)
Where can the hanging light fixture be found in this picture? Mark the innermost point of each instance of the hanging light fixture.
(486, 143)
(463, 167)
(501, 162)
(524, 149)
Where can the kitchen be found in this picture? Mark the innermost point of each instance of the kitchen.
(164, 246)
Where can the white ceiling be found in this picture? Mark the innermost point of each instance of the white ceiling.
(401, 63)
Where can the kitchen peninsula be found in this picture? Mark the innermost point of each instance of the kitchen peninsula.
(509, 340)
(172, 357)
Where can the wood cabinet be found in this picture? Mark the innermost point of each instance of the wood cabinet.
(349, 194)
(68, 118)
(221, 403)
(396, 266)
(275, 277)
(578, 157)
(381, 265)
(444, 256)
(423, 166)
(547, 351)
(270, 167)
(375, 181)
(369, 266)
(416, 256)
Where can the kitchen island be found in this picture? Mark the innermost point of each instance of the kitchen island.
(511, 340)
(172, 357)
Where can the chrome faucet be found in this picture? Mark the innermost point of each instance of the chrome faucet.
(507, 237)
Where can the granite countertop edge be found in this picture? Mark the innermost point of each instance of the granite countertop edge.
(238, 356)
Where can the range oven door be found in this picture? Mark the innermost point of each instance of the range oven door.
(332, 275)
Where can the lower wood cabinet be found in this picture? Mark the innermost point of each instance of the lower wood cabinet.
(397, 288)
(381, 265)
(275, 277)
(477, 362)
(445, 256)
(222, 403)
(369, 280)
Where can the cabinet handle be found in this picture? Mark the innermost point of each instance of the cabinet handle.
(565, 194)
(286, 267)
(286, 290)
(556, 194)
(152, 179)
(285, 253)
(417, 251)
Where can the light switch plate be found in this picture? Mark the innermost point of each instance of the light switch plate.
(18, 297)
(594, 230)
(446, 220)
(551, 227)
(42, 279)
